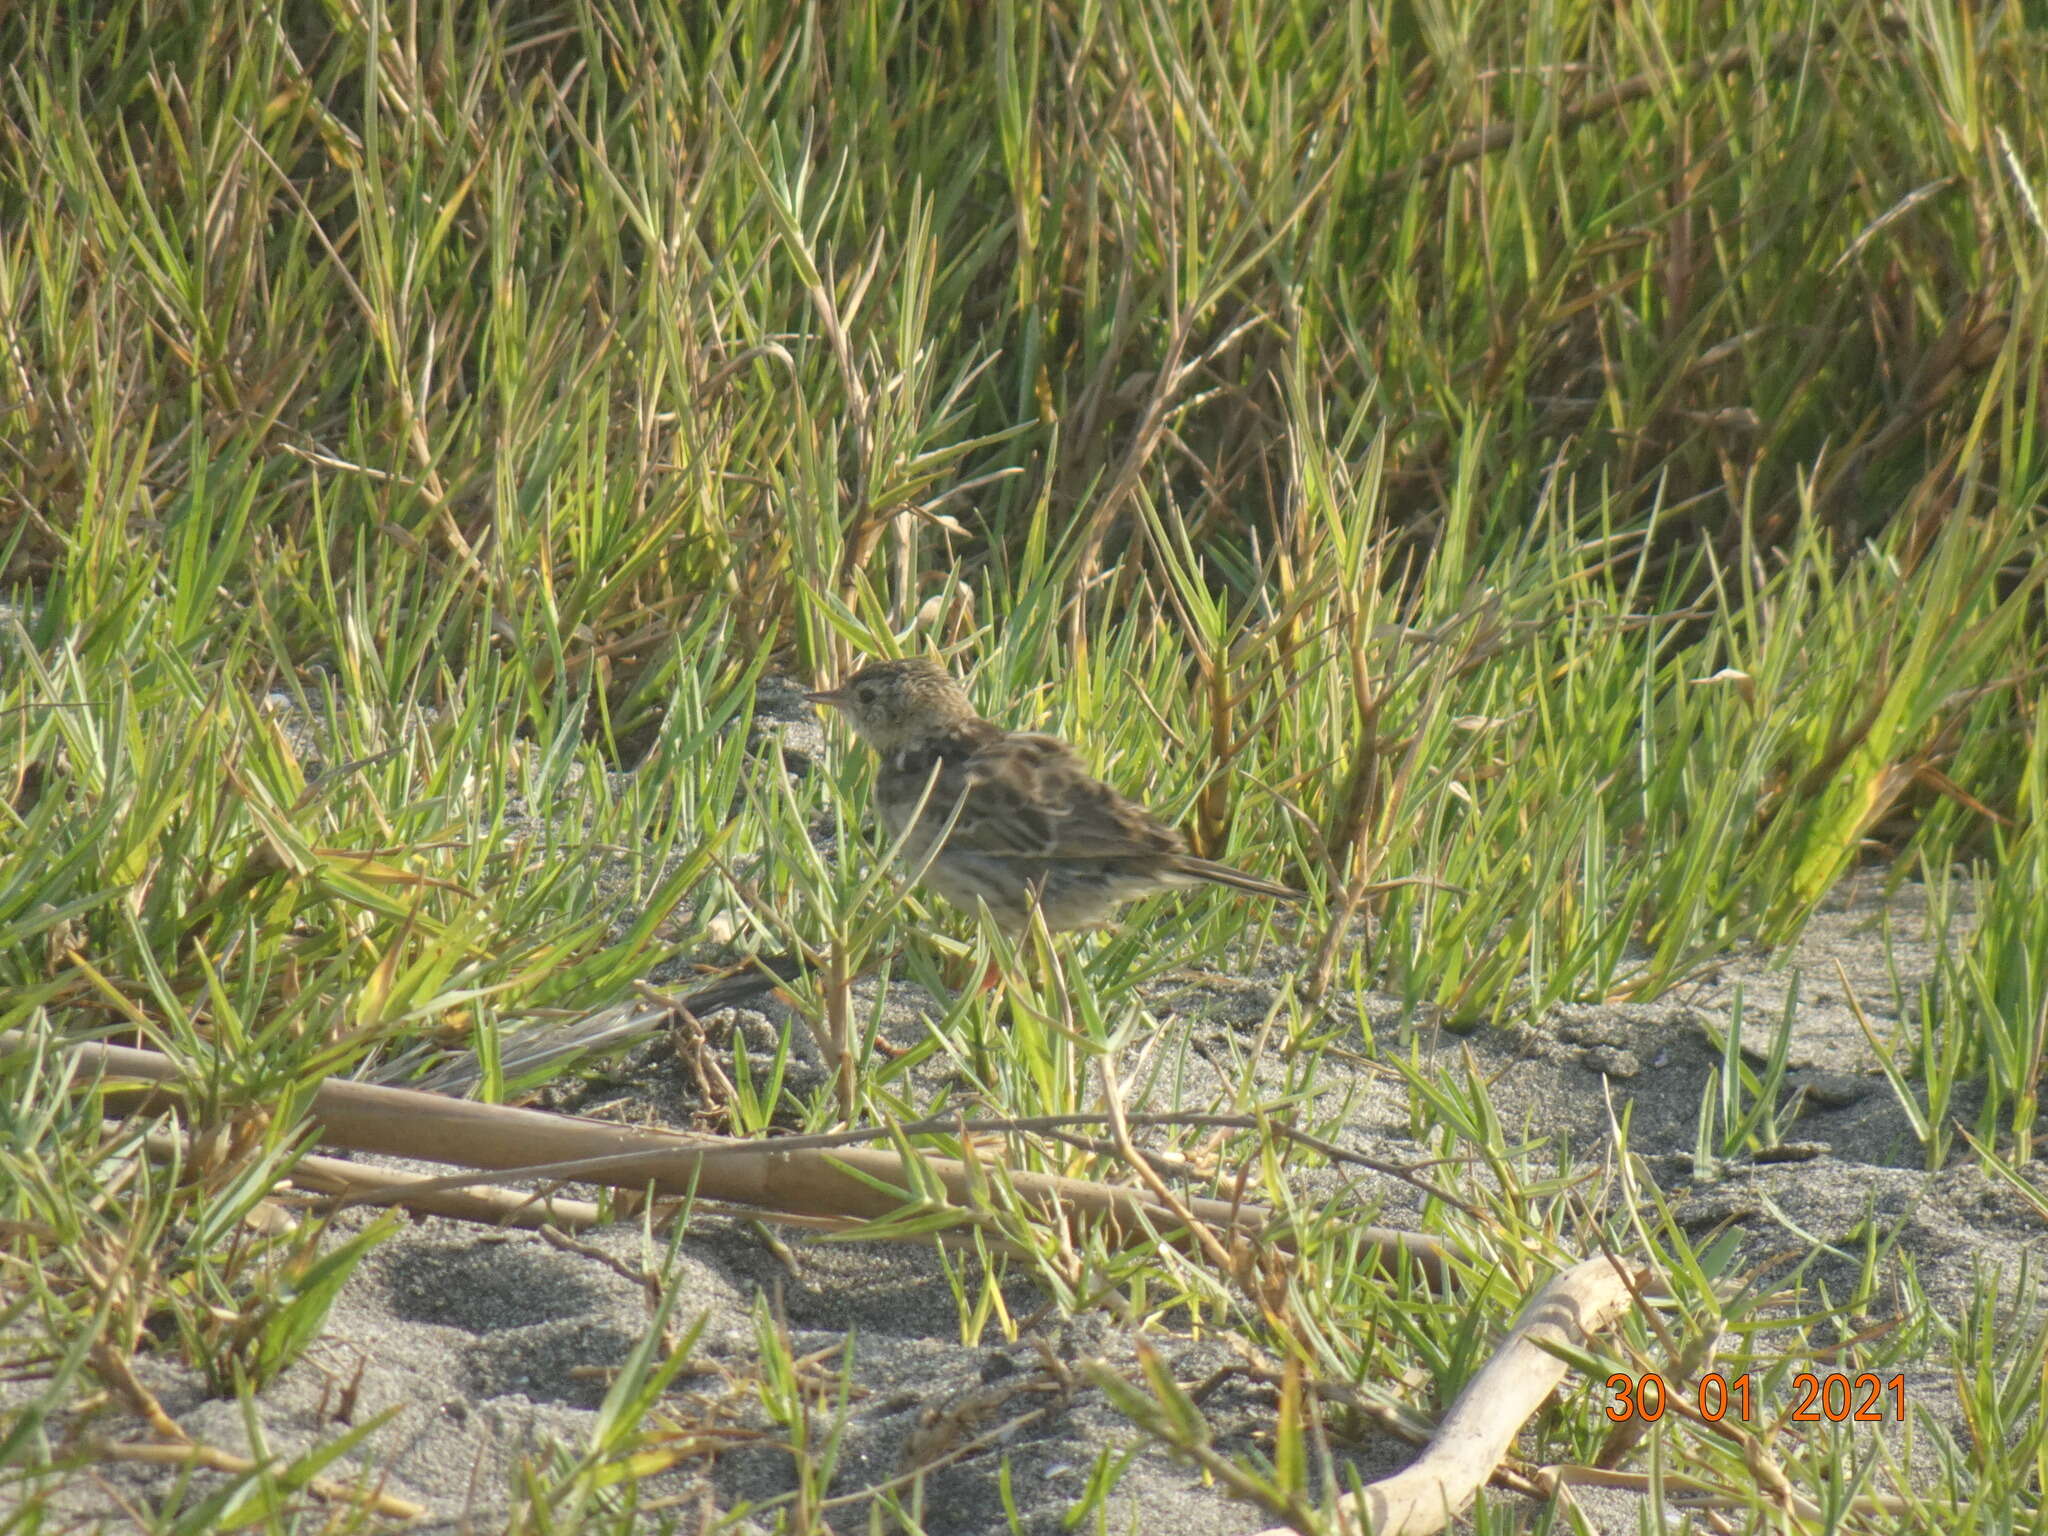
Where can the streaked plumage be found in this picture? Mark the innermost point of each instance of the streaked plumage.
(1031, 820)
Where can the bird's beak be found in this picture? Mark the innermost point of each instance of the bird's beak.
(833, 696)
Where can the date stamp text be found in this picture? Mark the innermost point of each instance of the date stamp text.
(1834, 1398)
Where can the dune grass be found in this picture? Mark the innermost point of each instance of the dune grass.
(1562, 483)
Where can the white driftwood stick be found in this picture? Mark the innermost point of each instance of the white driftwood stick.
(1434, 1489)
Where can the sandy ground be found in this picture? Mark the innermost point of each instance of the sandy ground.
(491, 1348)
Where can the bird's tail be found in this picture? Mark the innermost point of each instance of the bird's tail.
(1223, 874)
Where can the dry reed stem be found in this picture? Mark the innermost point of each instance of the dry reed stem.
(845, 1181)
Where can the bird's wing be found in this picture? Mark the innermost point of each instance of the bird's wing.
(1031, 796)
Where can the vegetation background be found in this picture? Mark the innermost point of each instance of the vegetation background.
(1563, 482)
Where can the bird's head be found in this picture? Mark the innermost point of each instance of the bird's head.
(892, 704)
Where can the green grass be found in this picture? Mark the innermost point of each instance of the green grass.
(1587, 458)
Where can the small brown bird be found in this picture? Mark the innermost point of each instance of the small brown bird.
(1028, 821)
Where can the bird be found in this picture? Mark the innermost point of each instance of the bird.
(1018, 820)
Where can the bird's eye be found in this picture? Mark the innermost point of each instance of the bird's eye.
(865, 693)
